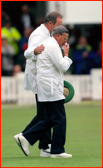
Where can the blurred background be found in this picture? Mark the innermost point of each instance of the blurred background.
(83, 19)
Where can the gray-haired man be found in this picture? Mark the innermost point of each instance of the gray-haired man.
(50, 67)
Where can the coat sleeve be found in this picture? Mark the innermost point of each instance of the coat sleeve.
(29, 52)
(33, 43)
(60, 62)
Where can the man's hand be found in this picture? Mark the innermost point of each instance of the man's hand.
(66, 49)
(39, 49)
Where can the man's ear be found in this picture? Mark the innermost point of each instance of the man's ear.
(50, 23)
(58, 35)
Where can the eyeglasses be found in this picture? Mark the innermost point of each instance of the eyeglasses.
(64, 38)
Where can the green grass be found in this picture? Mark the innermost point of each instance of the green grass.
(83, 138)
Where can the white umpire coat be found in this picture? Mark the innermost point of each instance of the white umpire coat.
(50, 68)
(37, 36)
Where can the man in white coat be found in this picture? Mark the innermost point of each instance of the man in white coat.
(51, 20)
(50, 67)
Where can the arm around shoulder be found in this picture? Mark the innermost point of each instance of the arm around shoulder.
(29, 53)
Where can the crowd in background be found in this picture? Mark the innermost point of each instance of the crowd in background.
(14, 41)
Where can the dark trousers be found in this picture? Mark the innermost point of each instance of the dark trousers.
(56, 118)
(41, 115)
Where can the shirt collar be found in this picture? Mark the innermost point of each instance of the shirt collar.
(45, 29)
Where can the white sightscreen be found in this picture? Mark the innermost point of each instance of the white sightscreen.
(77, 12)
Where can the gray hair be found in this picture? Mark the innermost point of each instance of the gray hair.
(59, 29)
(52, 17)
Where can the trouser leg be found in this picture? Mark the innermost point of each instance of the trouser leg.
(33, 121)
(56, 119)
(41, 115)
(38, 131)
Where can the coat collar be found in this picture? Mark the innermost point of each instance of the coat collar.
(53, 39)
(45, 29)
